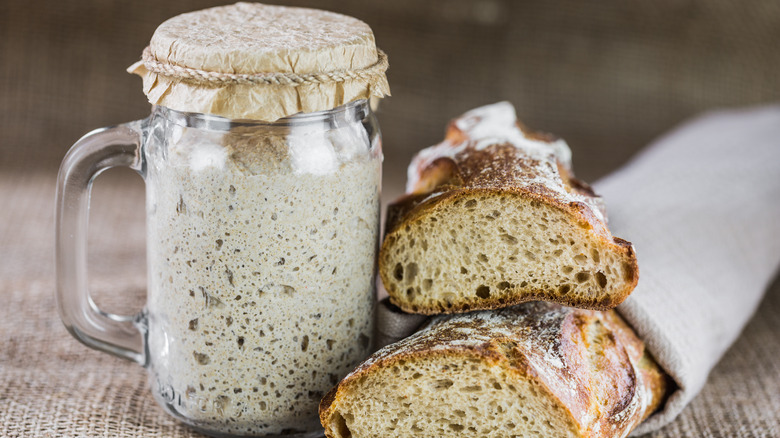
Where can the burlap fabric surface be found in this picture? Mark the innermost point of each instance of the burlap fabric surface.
(607, 76)
(50, 385)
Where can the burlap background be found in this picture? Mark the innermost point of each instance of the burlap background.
(608, 76)
(51, 386)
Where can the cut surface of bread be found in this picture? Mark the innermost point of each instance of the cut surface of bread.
(495, 217)
(533, 370)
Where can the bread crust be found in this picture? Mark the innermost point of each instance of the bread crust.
(590, 363)
(533, 169)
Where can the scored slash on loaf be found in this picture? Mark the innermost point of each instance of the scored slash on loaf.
(536, 369)
(493, 217)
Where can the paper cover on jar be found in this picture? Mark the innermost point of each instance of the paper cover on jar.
(261, 62)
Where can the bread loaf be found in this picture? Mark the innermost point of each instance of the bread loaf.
(494, 217)
(533, 370)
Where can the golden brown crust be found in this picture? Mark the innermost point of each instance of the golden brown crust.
(506, 169)
(591, 363)
(528, 168)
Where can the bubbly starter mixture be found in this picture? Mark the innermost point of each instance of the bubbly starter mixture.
(261, 264)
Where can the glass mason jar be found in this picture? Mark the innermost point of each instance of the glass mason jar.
(262, 240)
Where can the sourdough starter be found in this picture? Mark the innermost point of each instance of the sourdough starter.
(261, 265)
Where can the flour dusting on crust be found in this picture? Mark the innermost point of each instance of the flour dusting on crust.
(492, 151)
(587, 360)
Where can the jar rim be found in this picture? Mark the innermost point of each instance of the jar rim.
(360, 108)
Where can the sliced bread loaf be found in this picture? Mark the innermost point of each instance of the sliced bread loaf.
(494, 217)
(534, 370)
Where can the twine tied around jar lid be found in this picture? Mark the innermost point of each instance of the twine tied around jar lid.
(261, 62)
(194, 75)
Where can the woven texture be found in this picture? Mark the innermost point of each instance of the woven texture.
(52, 386)
(607, 76)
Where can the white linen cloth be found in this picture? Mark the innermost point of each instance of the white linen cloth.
(702, 207)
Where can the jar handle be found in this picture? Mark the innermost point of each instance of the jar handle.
(97, 151)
